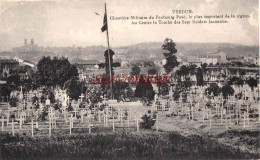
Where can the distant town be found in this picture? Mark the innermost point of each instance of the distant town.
(218, 57)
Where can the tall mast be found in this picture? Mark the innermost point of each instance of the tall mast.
(108, 52)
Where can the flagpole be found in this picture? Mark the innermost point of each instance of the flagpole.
(108, 52)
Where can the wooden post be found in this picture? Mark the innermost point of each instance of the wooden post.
(3, 122)
(189, 112)
(71, 118)
(49, 128)
(203, 115)
(99, 118)
(20, 123)
(244, 120)
(230, 119)
(237, 116)
(221, 116)
(12, 127)
(157, 121)
(55, 124)
(210, 118)
(258, 112)
(70, 126)
(226, 117)
(82, 116)
(247, 112)
(248, 117)
(32, 127)
(137, 124)
(192, 114)
(8, 116)
(106, 120)
(121, 119)
(89, 128)
(113, 124)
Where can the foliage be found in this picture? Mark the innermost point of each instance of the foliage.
(204, 66)
(171, 59)
(252, 82)
(148, 121)
(116, 64)
(163, 89)
(118, 146)
(213, 88)
(236, 81)
(73, 88)
(185, 70)
(14, 79)
(199, 76)
(227, 90)
(122, 90)
(5, 91)
(149, 64)
(13, 102)
(144, 89)
(152, 71)
(55, 71)
(111, 54)
(136, 70)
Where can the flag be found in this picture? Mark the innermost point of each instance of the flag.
(104, 28)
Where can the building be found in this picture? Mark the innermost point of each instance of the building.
(252, 59)
(222, 57)
(6, 65)
(84, 64)
(213, 58)
(27, 47)
(192, 60)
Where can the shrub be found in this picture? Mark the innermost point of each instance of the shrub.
(148, 121)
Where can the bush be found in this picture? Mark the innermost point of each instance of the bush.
(148, 121)
(13, 102)
(117, 146)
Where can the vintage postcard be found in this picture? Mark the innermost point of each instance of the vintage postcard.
(129, 79)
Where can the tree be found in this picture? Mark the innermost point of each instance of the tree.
(213, 88)
(122, 89)
(199, 77)
(204, 66)
(135, 71)
(5, 91)
(152, 71)
(15, 79)
(116, 64)
(171, 59)
(111, 53)
(227, 90)
(73, 88)
(149, 64)
(183, 71)
(163, 89)
(148, 121)
(236, 81)
(55, 71)
(252, 82)
(144, 89)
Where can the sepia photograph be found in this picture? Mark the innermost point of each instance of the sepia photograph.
(129, 79)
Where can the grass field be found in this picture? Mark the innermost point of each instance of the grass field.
(119, 145)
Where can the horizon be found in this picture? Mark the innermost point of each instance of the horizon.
(134, 44)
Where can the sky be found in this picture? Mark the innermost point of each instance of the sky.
(67, 23)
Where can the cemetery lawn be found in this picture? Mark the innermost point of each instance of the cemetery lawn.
(244, 140)
(119, 145)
